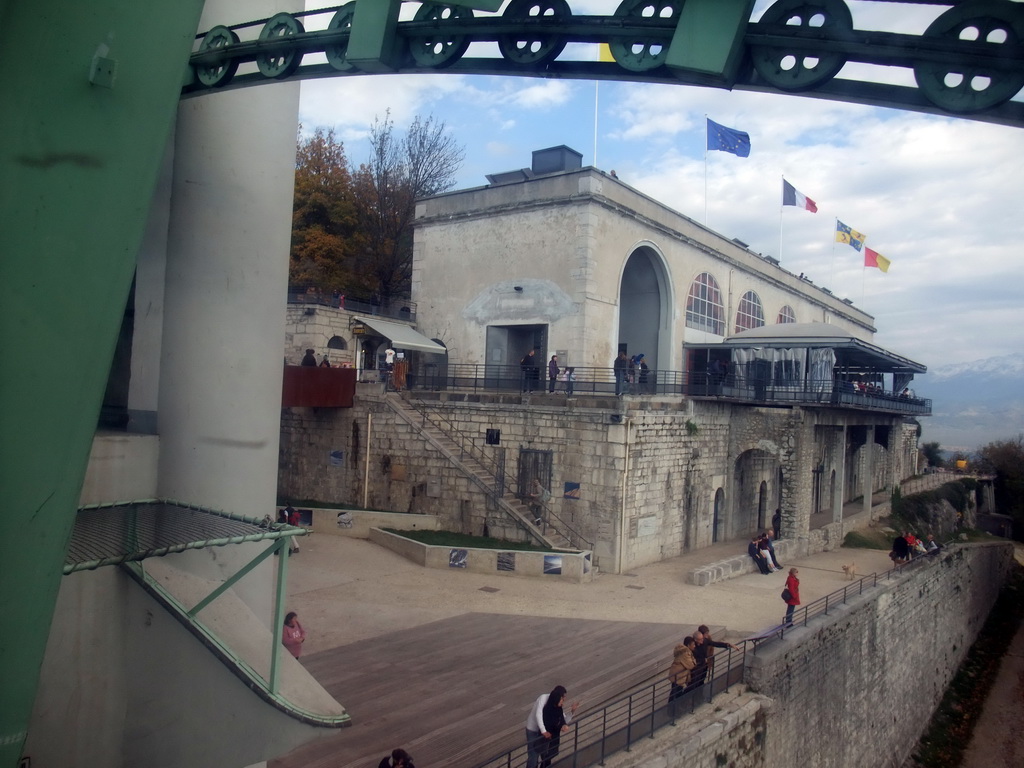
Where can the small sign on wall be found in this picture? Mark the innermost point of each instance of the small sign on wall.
(336, 458)
(647, 526)
(434, 488)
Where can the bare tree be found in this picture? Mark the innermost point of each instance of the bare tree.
(399, 171)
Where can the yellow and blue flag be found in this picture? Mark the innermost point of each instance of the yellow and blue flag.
(849, 236)
(728, 139)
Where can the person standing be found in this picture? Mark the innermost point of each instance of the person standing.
(552, 373)
(293, 635)
(620, 368)
(309, 359)
(555, 723)
(777, 522)
(536, 735)
(702, 644)
(641, 372)
(528, 365)
(570, 380)
(683, 663)
(793, 588)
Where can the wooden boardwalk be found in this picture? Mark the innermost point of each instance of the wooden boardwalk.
(456, 692)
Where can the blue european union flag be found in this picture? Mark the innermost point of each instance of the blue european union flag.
(728, 139)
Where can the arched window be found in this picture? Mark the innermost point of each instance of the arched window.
(750, 314)
(786, 315)
(337, 342)
(704, 308)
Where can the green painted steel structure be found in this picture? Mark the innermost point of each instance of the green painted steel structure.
(969, 62)
(88, 105)
(89, 101)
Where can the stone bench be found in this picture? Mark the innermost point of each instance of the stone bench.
(737, 565)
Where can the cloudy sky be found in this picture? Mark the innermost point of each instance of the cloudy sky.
(941, 198)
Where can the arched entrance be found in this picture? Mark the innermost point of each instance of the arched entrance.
(645, 302)
(754, 473)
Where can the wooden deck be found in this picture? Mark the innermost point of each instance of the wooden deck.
(456, 692)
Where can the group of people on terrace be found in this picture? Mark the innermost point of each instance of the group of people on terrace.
(693, 661)
(907, 546)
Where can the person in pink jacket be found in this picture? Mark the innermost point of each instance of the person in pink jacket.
(293, 635)
(793, 587)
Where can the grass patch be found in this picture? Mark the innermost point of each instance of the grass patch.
(949, 732)
(868, 539)
(464, 540)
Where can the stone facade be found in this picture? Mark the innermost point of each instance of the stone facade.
(589, 263)
(658, 477)
(855, 687)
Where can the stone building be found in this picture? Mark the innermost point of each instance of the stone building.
(762, 391)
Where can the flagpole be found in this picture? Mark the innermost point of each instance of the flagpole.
(705, 169)
(597, 85)
(832, 266)
(781, 207)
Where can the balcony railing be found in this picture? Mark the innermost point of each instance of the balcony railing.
(399, 309)
(602, 381)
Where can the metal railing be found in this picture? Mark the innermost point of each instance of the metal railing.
(603, 381)
(821, 606)
(639, 713)
(633, 716)
(467, 443)
(399, 309)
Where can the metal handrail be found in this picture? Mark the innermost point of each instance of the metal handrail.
(467, 445)
(399, 309)
(699, 384)
(839, 597)
(639, 713)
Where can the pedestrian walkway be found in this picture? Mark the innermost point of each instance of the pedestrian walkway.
(444, 660)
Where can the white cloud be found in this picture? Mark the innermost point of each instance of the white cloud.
(940, 197)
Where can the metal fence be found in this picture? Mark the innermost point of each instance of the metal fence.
(603, 381)
(821, 606)
(636, 715)
(399, 309)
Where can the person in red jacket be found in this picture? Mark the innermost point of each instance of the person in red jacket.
(793, 586)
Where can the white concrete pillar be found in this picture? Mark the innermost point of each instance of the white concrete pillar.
(868, 480)
(225, 297)
(840, 484)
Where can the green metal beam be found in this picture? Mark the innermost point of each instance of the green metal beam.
(83, 129)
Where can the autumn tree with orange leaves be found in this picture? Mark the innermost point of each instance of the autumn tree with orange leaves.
(352, 227)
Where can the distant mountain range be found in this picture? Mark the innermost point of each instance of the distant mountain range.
(974, 403)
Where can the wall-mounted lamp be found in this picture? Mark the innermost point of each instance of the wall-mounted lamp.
(518, 289)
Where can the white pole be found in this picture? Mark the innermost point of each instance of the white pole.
(366, 469)
(705, 170)
(597, 85)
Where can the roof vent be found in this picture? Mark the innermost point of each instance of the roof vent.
(555, 159)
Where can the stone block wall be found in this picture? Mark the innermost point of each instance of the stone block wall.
(859, 686)
(649, 470)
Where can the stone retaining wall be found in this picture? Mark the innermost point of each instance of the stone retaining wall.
(566, 566)
(854, 688)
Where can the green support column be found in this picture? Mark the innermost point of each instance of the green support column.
(89, 94)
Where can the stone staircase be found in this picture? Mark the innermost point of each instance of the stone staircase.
(546, 535)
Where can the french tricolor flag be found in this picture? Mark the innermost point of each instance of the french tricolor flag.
(792, 196)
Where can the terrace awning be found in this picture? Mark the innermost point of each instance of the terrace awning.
(402, 336)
